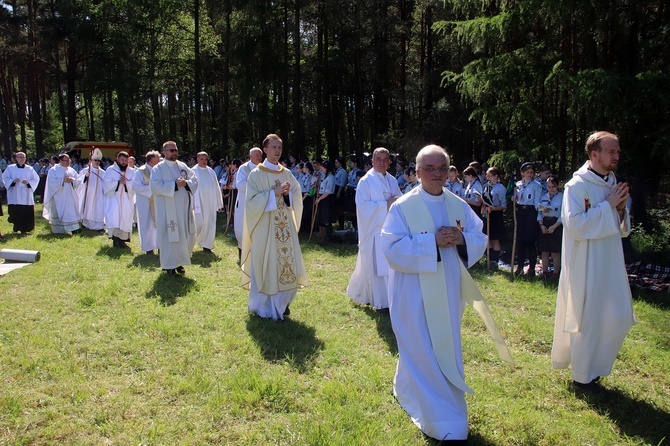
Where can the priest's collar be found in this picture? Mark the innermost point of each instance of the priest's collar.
(603, 177)
(276, 167)
(20, 166)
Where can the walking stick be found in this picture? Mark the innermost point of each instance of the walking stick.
(229, 210)
(315, 208)
(514, 240)
(315, 211)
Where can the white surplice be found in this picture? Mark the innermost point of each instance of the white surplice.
(91, 198)
(20, 193)
(61, 202)
(368, 283)
(594, 309)
(145, 208)
(175, 214)
(241, 184)
(208, 201)
(118, 202)
(435, 405)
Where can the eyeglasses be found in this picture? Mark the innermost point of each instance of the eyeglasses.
(431, 169)
(170, 150)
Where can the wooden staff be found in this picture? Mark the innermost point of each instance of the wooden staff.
(229, 205)
(514, 240)
(315, 208)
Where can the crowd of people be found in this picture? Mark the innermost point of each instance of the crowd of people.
(419, 226)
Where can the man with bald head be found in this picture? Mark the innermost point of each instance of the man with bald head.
(173, 184)
(208, 202)
(594, 308)
(21, 181)
(429, 238)
(375, 193)
(255, 157)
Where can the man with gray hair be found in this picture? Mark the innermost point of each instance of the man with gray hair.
(145, 207)
(208, 202)
(429, 238)
(255, 157)
(375, 194)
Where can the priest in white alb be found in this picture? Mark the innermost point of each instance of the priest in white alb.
(173, 184)
(21, 181)
(91, 194)
(430, 237)
(594, 307)
(145, 207)
(272, 264)
(61, 202)
(376, 192)
(255, 157)
(119, 200)
(208, 202)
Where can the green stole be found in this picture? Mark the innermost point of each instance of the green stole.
(434, 288)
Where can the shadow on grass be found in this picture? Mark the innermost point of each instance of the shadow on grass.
(168, 288)
(51, 236)
(658, 299)
(146, 261)
(111, 252)
(635, 418)
(290, 341)
(384, 328)
(204, 259)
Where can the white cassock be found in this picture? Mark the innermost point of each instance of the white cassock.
(91, 198)
(118, 202)
(241, 184)
(594, 308)
(20, 200)
(208, 201)
(368, 283)
(271, 261)
(435, 403)
(145, 208)
(61, 202)
(175, 214)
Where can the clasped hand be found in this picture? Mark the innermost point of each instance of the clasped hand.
(447, 236)
(181, 182)
(283, 189)
(619, 196)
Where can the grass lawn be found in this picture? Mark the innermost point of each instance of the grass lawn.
(97, 346)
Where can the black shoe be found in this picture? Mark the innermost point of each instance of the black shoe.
(591, 387)
(76, 231)
(287, 312)
(170, 272)
(180, 270)
(150, 253)
(207, 250)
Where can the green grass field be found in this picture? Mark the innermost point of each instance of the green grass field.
(97, 347)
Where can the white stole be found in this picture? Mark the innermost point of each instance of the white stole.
(434, 290)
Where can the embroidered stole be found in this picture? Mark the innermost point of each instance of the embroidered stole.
(434, 290)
